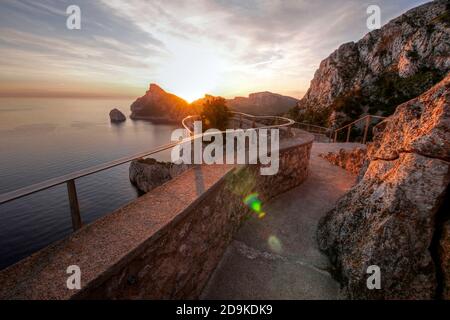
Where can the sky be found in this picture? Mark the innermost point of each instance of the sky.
(221, 47)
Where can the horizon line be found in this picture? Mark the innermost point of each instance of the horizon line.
(65, 95)
(86, 95)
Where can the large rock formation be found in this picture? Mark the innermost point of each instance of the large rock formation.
(262, 103)
(158, 105)
(389, 218)
(387, 67)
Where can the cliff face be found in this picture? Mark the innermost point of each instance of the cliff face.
(387, 67)
(263, 103)
(158, 105)
(394, 217)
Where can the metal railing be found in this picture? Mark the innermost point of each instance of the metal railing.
(70, 179)
(368, 121)
(240, 117)
(330, 135)
(315, 129)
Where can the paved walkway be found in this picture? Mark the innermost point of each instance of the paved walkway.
(277, 257)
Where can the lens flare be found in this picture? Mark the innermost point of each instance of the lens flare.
(274, 244)
(253, 202)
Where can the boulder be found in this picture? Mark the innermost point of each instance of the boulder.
(419, 126)
(389, 218)
(116, 115)
(147, 174)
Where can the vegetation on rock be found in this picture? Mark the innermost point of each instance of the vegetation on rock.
(215, 114)
(387, 67)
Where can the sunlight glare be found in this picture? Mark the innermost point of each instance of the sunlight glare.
(191, 72)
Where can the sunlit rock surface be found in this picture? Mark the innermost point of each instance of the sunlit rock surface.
(386, 67)
(159, 105)
(389, 218)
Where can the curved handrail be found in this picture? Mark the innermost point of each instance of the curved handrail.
(366, 118)
(312, 125)
(359, 120)
(70, 178)
(288, 122)
(25, 191)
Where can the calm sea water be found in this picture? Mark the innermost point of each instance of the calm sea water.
(46, 138)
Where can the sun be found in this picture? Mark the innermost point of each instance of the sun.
(192, 95)
(191, 72)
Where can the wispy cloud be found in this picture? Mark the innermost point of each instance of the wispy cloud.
(226, 47)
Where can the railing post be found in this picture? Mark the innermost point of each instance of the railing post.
(366, 129)
(74, 207)
(253, 124)
(335, 135)
(348, 132)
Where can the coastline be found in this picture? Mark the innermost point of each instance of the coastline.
(156, 120)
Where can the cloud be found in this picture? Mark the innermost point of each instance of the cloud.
(242, 46)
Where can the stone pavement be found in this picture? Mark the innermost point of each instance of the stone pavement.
(277, 257)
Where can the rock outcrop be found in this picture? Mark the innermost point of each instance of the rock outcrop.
(159, 105)
(117, 116)
(389, 218)
(262, 103)
(387, 67)
(350, 160)
(147, 174)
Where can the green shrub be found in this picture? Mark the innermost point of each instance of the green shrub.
(215, 114)
(385, 94)
(316, 117)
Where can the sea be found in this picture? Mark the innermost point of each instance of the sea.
(42, 138)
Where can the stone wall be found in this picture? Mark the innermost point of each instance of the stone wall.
(164, 245)
(350, 160)
(179, 264)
